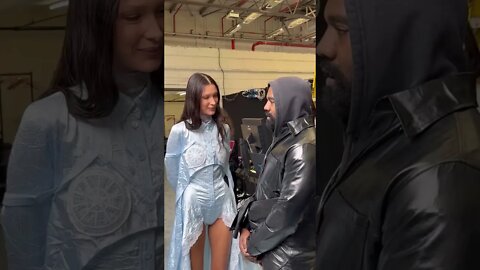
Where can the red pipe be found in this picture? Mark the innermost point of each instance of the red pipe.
(175, 14)
(233, 44)
(249, 32)
(280, 44)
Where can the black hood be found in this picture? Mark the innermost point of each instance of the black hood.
(293, 100)
(401, 44)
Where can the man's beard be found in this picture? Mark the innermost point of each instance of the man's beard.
(335, 99)
(270, 121)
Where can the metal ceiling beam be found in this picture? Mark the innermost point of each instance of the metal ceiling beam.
(234, 6)
(224, 7)
(173, 7)
(203, 9)
(211, 12)
(33, 22)
(201, 36)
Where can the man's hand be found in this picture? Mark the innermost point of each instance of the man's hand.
(243, 241)
(243, 245)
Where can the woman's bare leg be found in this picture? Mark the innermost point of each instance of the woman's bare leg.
(197, 251)
(220, 243)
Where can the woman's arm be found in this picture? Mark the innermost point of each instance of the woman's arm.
(173, 154)
(30, 178)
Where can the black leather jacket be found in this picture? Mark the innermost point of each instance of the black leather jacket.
(410, 200)
(282, 217)
(406, 194)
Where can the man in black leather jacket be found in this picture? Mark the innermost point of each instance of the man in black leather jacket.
(281, 217)
(406, 194)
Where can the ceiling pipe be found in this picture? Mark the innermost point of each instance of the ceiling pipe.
(172, 7)
(223, 7)
(265, 25)
(214, 37)
(203, 14)
(249, 32)
(174, 20)
(281, 44)
(223, 31)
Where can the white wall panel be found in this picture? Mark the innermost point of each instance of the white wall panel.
(234, 70)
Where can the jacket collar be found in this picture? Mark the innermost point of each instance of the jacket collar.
(298, 125)
(146, 101)
(420, 107)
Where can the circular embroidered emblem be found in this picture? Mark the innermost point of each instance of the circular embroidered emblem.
(195, 156)
(98, 202)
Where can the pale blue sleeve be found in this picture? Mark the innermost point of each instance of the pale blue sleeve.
(227, 133)
(173, 154)
(26, 205)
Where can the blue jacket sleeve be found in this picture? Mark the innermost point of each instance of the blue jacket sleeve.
(173, 154)
(26, 205)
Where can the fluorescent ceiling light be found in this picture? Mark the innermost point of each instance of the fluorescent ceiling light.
(276, 33)
(233, 30)
(312, 37)
(233, 15)
(297, 22)
(252, 17)
(58, 5)
(273, 3)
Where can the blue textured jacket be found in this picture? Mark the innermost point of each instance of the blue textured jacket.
(86, 194)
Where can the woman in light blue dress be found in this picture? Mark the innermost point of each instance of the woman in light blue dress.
(85, 175)
(197, 167)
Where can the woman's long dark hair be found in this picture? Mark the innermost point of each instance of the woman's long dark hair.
(191, 109)
(87, 58)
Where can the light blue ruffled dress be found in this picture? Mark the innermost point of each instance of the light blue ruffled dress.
(196, 163)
